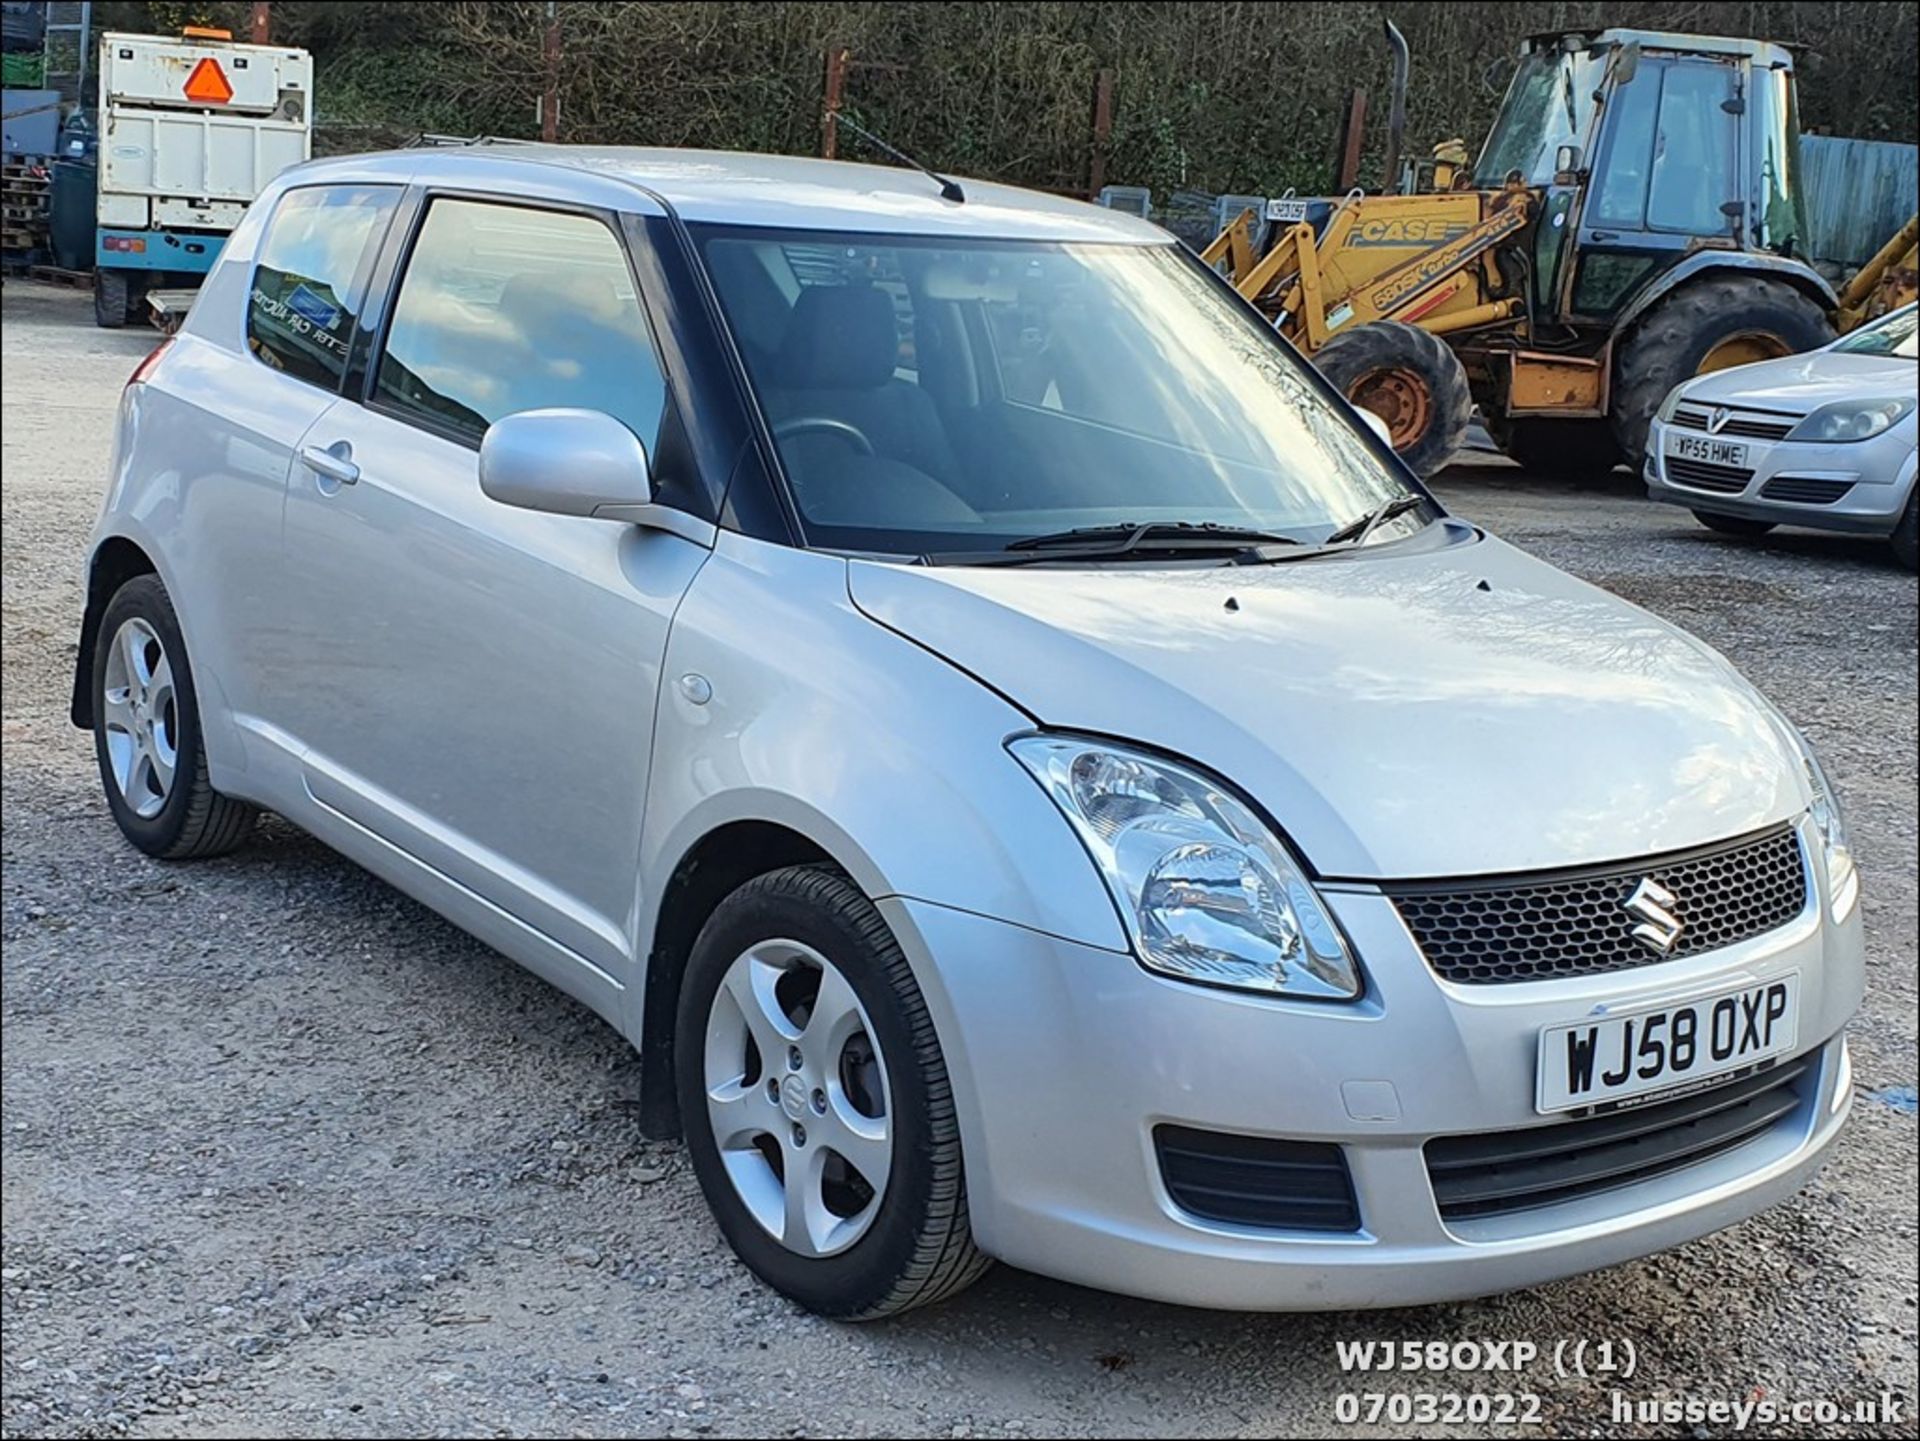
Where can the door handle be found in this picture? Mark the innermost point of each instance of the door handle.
(335, 462)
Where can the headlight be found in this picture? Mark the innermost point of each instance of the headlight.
(1831, 822)
(1851, 419)
(1671, 403)
(1207, 892)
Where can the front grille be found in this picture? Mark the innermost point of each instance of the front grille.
(1805, 489)
(1503, 1171)
(1257, 1181)
(1538, 928)
(1751, 427)
(1703, 475)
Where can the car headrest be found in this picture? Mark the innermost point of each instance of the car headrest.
(839, 337)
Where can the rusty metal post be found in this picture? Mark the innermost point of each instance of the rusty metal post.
(1102, 133)
(837, 58)
(1353, 136)
(550, 96)
(260, 22)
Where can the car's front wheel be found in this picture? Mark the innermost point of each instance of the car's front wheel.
(146, 732)
(816, 1103)
(1906, 536)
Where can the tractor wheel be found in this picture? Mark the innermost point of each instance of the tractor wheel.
(1576, 449)
(1711, 324)
(1411, 380)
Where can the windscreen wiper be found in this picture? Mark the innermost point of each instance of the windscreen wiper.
(1358, 532)
(1112, 542)
(1123, 538)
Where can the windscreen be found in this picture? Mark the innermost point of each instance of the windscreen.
(929, 396)
(1549, 103)
(1890, 335)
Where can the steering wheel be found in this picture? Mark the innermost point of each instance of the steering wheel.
(852, 434)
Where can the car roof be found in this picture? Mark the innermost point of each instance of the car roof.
(776, 191)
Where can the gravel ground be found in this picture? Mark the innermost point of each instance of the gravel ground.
(285, 1154)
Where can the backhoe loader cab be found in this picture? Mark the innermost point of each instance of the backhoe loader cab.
(1647, 149)
(1631, 220)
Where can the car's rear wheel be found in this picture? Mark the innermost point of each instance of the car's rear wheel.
(816, 1103)
(1733, 524)
(146, 733)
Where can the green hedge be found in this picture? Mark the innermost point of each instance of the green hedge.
(1207, 95)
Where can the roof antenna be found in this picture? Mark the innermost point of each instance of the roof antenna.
(949, 189)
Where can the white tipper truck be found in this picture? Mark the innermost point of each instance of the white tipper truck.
(191, 130)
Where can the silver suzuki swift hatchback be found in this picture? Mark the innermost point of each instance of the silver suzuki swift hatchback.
(1031, 774)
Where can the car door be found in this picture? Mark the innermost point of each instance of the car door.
(260, 361)
(1666, 178)
(479, 681)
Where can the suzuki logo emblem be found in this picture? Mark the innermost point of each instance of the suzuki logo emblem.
(1717, 420)
(1659, 928)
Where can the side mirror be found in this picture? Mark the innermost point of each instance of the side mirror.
(1566, 164)
(1377, 426)
(566, 462)
(1628, 65)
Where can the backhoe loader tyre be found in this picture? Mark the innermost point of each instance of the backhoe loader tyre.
(1579, 449)
(1706, 325)
(1411, 380)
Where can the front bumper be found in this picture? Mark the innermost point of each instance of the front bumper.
(1879, 474)
(1065, 1057)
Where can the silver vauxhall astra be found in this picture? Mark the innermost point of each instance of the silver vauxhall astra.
(1033, 775)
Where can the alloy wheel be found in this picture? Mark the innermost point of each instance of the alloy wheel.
(142, 718)
(797, 1097)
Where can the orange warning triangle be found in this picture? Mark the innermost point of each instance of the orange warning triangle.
(208, 83)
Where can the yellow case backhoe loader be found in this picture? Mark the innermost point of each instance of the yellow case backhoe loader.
(1633, 219)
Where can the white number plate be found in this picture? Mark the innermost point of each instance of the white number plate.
(1668, 1047)
(1705, 447)
(1287, 212)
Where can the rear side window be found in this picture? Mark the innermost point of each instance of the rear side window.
(505, 309)
(311, 278)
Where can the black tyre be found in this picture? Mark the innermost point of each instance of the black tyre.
(110, 299)
(1707, 324)
(1411, 380)
(816, 1104)
(1733, 524)
(1576, 449)
(146, 733)
(1906, 535)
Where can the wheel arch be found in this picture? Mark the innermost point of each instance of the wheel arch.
(715, 865)
(116, 560)
(1712, 263)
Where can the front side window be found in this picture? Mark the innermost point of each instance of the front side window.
(931, 396)
(504, 309)
(308, 283)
